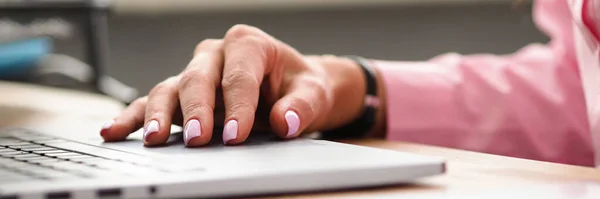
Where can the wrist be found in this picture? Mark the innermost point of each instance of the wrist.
(379, 130)
(348, 89)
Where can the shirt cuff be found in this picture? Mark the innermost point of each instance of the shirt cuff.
(420, 98)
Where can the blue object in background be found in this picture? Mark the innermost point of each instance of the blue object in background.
(19, 57)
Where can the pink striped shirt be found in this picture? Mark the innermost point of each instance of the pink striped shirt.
(529, 104)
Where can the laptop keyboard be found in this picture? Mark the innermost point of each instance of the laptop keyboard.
(26, 156)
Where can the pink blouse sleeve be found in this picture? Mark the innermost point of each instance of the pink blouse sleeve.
(524, 105)
(529, 104)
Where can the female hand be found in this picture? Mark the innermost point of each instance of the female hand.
(248, 78)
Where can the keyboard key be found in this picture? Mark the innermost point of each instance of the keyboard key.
(4, 160)
(74, 157)
(31, 147)
(32, 158)
(55, 154)
(6, 150)
(41, 149)
(82, 157)
(25, 156)
(42, 159)
(65, 154)
(12, 153)
(24, 146)
(49, 151)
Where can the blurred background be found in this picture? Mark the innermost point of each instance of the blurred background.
(149, 40)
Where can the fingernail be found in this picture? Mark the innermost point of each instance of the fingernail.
(105, 127)
(151, 127)
(192, 130)
(230, 131)
(293, 122)
(108, 124)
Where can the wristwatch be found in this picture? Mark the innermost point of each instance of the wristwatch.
(366, 120)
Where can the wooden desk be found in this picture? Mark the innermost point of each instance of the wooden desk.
(37, 107)
(49, 108)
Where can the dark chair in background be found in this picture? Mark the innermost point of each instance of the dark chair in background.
(81, 23)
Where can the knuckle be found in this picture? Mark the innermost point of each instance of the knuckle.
(239, 79)
(171, 81)
(242, 107)
(240, 31)
(256, 43)
(139, 102)
(319, 90)
(253, 40)
(247, 35)
(308, 110)
(155, 110)
(194, 76)
(164, 86)
(158, 88)
(196, 108)
(207, 44)
(317, 99)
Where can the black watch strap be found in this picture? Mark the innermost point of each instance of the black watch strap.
(366, 120)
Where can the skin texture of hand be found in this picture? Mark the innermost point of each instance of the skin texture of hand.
(247, 80)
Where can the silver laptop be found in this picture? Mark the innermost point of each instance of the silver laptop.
(39, 165)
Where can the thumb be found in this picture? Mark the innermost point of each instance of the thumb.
(306, 99)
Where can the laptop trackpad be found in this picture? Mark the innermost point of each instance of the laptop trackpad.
(257, 141)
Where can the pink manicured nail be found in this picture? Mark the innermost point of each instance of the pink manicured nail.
(151, 127)
(108, 124)
(192, 130)
(293, 122)
(105, 127)
(230, 131)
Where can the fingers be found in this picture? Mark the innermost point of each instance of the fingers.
(129, 121)
(248, 56)
(238, 64)
(306, 100)
(197, 89)
(160, 109)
